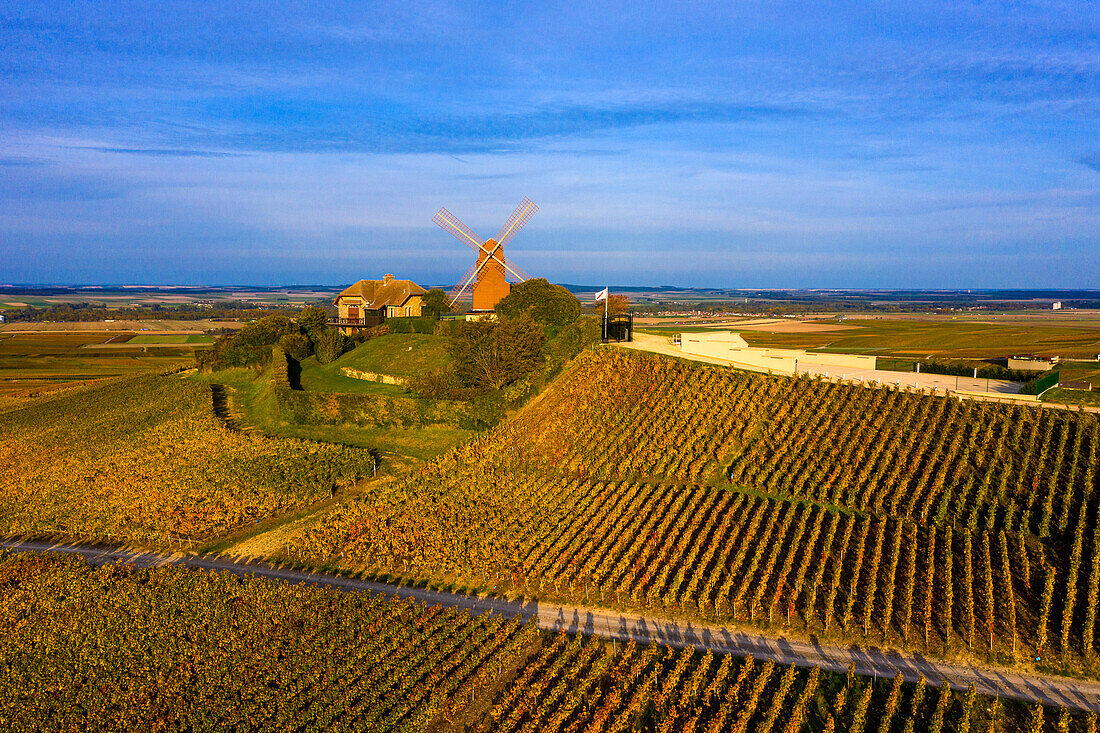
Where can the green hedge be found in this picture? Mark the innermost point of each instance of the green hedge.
(280, 375)
(422, 324)
(367, 410)
(1040, 384)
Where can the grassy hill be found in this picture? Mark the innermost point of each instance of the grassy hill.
(401, 355)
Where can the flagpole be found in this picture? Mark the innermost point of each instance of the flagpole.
(606, 293)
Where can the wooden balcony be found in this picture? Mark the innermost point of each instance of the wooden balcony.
(364, 321)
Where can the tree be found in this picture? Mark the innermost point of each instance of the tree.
(436, 303)
(493, 354)
(313, 320)
(330, 344)
(250, 345)
(264, 332)
(617, 304)
(545, 303)
(297, 345)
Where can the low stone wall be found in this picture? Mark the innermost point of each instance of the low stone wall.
(373, 377)
(1002, 396)
(731, 347)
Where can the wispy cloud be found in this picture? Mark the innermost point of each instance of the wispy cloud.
(166, 152)
(860, 138)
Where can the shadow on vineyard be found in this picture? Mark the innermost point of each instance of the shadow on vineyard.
(232, 652)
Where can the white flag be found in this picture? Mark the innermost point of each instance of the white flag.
(602, 295)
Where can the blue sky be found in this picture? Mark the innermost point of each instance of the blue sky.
(747, 144)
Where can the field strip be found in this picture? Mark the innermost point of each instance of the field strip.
(1002, 682)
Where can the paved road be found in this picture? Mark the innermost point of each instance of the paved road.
(940, 382)
(885, 663)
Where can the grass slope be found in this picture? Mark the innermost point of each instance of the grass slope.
(398, 354)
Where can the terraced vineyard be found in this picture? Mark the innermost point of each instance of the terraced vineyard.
(982, 465)
(144, 458)
(79, 646)
(989, 550)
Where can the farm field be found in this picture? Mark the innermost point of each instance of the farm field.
(197, 338)
(40, 363)
(277, 656)
(960, 529)
(942, 337)
(115, 297)
(170, 327)
(144, 459)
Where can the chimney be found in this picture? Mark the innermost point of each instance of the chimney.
(386, 279)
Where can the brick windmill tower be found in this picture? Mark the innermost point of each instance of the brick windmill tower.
(486, 281)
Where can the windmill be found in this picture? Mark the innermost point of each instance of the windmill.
(487, 279)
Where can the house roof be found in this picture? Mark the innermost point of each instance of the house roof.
(381, 293)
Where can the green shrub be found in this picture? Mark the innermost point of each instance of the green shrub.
(493, 354)
(251, 345)
(436, 303)
(440, 384)
(297, 345)
(550, 305)
(329, 345)
(312, 320)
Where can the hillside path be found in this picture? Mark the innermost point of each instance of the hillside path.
(608, 624)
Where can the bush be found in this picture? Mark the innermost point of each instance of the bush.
(330, 345)
(551, 305)
(363, 336)
(297, 345)
(991, 371)
(265, 332)
(493, 354)
(441, 384)
(568, 341)
(251, 345)
(436, 303)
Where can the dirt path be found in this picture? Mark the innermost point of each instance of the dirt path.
(999, 681)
